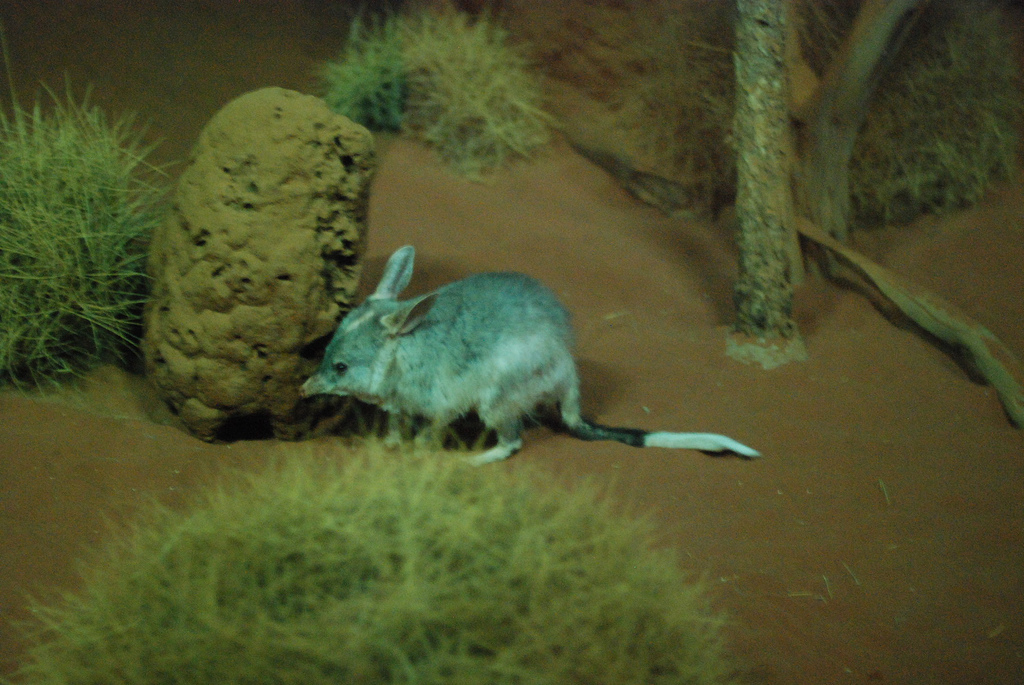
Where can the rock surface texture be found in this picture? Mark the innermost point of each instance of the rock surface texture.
(259, 258)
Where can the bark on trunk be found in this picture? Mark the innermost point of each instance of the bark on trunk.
(764, 202)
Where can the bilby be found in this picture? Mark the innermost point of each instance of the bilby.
(499, 344)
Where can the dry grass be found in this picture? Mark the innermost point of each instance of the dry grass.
(943, 125)
(450, 80)
(472, 94)
(677, 98)
(385, 570)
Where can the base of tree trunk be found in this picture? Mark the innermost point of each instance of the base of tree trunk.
(768, 352)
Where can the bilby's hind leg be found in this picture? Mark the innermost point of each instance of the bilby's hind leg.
(568, 399)
(509, 440)
(553, 380)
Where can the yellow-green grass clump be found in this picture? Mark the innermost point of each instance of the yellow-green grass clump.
(472, 95)
(463, 87)
(74, 214)
(943, 122)
(400, 570)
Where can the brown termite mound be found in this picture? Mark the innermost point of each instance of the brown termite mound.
(258, 258)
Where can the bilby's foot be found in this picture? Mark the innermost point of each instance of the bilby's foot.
(499, 452)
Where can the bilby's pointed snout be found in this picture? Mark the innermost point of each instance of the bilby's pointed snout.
(311, 387)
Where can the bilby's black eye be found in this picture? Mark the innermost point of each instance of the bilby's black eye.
(340, 367)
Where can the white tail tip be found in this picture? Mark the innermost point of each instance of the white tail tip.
(707, 442)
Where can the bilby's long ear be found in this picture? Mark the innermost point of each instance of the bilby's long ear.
(396, 276)
(404, 320)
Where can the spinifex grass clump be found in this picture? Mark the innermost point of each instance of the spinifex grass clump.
(472, 95)
(449, 80)
(944, 123)
(367, 83)
(387, 570)
(73, 214)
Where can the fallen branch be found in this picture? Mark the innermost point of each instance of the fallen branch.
(943, 320)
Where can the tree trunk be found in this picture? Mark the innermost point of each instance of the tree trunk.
(827, 116)
(764, 202)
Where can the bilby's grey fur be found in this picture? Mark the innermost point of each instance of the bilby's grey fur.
(496, 343)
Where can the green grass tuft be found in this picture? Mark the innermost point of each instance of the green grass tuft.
(454, 82)
(383, 571)
(73, 214)
(367, 82)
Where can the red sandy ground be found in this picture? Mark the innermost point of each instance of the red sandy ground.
(879, 540)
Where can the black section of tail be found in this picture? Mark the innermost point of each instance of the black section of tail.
(587, 430)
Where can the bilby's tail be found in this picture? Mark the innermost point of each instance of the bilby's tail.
(579, 427)
(706, 442)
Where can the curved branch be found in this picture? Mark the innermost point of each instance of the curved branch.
(847, 84)
(994, 360)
